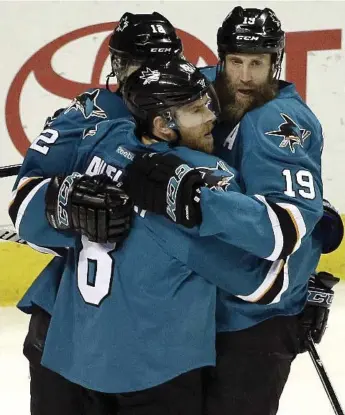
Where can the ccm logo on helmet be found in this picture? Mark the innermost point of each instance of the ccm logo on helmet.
(155, 50)
(241, 37)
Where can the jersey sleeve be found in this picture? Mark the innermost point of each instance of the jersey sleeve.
(210, 257)
(55, 152)
(239, 220)
(281, 176)
(52, 153)
(218, 262)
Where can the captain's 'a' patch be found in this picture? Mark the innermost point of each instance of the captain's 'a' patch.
(86, 103)
(291, 133)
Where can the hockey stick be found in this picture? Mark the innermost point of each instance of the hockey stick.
(12, 170)
(323, 376)
(7, 234)
(11, 236)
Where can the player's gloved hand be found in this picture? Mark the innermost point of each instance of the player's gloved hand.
(92, 206)
(166, 185)
(314, 317)
(332, 228)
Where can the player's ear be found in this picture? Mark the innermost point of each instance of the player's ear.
(161, 129)
(159, 124)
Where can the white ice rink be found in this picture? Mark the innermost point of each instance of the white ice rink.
(303, 395)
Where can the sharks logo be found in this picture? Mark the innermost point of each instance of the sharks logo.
(149, 76)
(123, 24)
(217, 182)
(86, 103)
(91, 131)
(213, 181)
(291, 133)
(274, 18)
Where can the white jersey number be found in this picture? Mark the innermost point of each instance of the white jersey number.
(95, 271)
(302, 182)
(48, 136)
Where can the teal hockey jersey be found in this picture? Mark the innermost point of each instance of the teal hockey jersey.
(277, 150)
(262, 287)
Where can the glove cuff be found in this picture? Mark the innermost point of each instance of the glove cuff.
(57, 199)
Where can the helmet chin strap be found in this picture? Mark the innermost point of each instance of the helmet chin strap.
(220, 66)
(120, 84)
(278, 68)
(111, 75)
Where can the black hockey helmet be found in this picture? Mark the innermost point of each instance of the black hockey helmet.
(251, 31)
(141, 36)
(160, 87)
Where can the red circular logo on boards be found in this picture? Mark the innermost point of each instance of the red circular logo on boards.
(40, 65)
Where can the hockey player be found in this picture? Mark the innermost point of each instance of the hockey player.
(270, 135)
(142, 318)
(253, 244)
(51, 393)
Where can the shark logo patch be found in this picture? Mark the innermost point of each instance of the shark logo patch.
(291, 133)
(123, 24)
(86, 103)
(149, 76)
(214, 181)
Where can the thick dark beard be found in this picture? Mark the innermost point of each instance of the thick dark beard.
(232, 111)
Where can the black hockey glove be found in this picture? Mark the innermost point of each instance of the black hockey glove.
(166, 185)
(92, 206)
(314, 317)
(332, 228)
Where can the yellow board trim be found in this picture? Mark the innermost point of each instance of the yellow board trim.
(20, 265)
